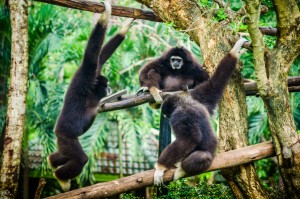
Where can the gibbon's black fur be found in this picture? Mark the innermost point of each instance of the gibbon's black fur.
(86, 89)
(193, 150)
(175, 70)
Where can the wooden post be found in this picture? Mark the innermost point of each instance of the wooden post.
(164, 133)
(164, 141)
(15, 119)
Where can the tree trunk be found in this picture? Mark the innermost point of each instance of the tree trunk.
(215, 41)
(15, 118)
(272, 68)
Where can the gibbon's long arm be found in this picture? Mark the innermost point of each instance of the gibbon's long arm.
(110, 47)
(214, 87)
(150, 80)
(95, 41)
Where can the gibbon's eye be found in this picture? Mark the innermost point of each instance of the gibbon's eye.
(176, 62)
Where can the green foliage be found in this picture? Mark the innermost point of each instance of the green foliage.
(205, 3)
(183, 189)
(57, 39)
(220, 15)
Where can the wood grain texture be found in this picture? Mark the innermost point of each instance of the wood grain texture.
(132, 101)
(222, 160)
(99, 8)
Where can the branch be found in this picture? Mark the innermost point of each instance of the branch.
(135, 100)
(253, 11)
(39, 190)
(268, 31)
(117, 10)
(222, 160)
(99, 8)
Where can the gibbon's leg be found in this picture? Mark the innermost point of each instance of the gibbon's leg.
(70, 148)
(194, 164)
(65, 173)
(56, 159)
(111, 46)
(172, 154)
(214, 87)
(92, 51)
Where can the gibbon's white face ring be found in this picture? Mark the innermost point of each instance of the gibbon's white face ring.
(176, 62)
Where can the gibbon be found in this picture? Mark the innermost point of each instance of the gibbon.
(79, 110)
(176, 69)
(193, 150)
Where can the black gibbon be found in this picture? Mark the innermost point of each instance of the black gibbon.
(175, 70)
(86, 89)
(193, 150)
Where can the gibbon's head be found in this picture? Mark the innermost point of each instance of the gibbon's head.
(177, 58)
(170, 103)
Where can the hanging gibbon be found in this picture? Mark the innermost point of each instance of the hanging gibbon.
(79, 110)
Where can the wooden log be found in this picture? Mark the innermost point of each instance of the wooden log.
(132, 101)
(293, 83)
(99, 8)
(124, 11)
(222, 160)
(135, 100)
(268, 31)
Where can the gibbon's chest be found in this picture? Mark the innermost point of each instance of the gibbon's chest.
(175, 82)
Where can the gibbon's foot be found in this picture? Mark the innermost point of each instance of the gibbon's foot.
(50, 165)
(143, 89)
(64, 184)
(155, 92)
(126, 26)
(179, 172)
(159, 174)
(236, 50)
(106, 14)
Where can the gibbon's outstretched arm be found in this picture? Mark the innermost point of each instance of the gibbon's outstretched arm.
(95, 42)
(110, 47)
(214, 87)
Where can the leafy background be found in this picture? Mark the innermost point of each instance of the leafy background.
(57, 38)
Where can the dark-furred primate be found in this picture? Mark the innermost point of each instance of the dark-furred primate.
(86, 89)
(176, 69)
(193, 150)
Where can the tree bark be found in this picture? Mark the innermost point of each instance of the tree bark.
(15, 118)
(125, 11)
(215, 41)
(123, 102)
(99, 8)
(272, 68)
(223, 160)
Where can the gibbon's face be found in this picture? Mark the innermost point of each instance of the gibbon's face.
(176, 62)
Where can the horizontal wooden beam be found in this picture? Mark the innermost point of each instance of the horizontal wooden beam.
(145, 179)
(99, 8)
(122, 11)
(135, 100)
